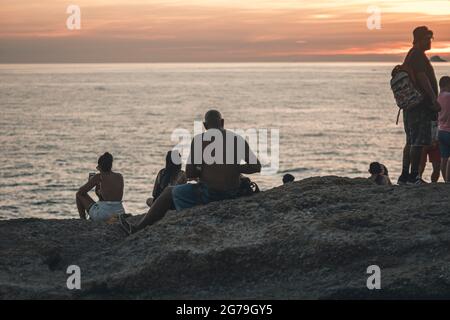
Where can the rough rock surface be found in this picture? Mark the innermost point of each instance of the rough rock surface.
(312, 239)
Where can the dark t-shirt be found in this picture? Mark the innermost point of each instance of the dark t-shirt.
(418, 62)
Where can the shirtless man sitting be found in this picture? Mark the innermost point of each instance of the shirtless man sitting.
(218, 173)
(109, 189)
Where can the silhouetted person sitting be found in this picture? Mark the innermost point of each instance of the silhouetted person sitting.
(379, 174)
(109, 189)
(288, 178)
(171, 175)
(214, 163)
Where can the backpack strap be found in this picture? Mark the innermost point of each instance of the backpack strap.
(398, 116)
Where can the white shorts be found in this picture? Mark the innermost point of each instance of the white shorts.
(105, 210)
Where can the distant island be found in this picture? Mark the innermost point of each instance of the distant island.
(437, 59)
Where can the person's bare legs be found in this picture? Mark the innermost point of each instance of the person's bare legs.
(415, 157)
(447, 175)
(157, 211)
(84, 202)
(423, 161)
(444, 168)
(406, 155)
(404, 177)
(436, 171)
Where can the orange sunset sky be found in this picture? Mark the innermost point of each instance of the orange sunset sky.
(216, 30)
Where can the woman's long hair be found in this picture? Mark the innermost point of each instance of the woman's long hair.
(173, 167)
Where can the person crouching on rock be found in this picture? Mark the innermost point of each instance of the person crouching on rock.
(171, 175)
(218, 175)
(288, 178)
(379, 174)
(109, 189)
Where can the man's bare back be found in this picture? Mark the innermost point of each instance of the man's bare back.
(110, 186)
(222, 175)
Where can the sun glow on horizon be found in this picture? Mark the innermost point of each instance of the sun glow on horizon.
(218, 30)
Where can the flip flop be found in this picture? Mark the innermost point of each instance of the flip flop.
(125, 225)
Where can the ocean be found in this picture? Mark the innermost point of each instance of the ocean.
(56, 119)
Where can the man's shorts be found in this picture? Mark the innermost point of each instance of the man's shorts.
(189, 195)
(418, 133)
(444, 143)
(434, 154)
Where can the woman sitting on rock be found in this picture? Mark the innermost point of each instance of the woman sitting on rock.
(109, 189)
(171, 175)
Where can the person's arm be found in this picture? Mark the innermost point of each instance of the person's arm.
(192, 173)
(181, 178)
(156, 186)
(94, 181)
(388, 180)
(252, 164)
(425, 84)
(122, 185)
(97, 192)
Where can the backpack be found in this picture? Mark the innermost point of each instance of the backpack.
(403, 85)
(247, 187)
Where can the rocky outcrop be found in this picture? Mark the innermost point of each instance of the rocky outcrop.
(437, 59)
(312, 239)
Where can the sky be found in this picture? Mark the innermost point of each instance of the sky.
(35, 31)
